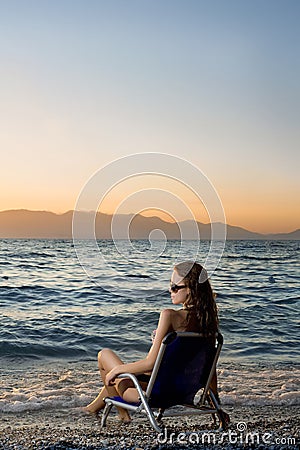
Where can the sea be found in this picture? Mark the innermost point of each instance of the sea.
(59, 309)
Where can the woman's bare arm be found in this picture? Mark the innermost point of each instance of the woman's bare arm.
(145, 365)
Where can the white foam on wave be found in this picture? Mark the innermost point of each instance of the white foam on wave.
(76, 384)
(254, 386)
(45, 387)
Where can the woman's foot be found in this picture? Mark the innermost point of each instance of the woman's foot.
(124, 416)
(224, 419)
(89, 410)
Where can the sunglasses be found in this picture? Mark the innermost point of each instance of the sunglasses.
(176, 287)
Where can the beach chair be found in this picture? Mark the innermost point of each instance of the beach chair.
(184, 367)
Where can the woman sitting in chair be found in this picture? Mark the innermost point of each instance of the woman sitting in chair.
(190, 288)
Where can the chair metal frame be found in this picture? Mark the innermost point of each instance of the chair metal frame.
(208, 403)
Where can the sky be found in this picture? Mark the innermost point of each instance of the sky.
(83, 83)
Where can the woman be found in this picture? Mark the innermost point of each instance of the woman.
(190, 288)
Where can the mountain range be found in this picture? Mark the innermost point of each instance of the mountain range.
(26, 224)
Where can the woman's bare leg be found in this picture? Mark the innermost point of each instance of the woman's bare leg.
(107, 360)
(128, 391)
(98, 403)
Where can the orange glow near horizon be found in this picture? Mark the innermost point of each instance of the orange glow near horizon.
(261, 213)
(157, 195)
(257, 221)
(135, 196)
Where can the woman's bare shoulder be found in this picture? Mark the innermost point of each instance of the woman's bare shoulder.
(175, 317)
(170, 312)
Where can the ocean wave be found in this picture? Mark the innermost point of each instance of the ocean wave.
(257, 258)
(40, 387)
(11, 351)
(133, 275)
(57, 311)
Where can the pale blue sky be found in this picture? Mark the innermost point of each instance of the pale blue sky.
(216, 82)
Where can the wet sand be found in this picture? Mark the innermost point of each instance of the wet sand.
(269, 427)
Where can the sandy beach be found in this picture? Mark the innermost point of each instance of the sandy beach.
(268, 427)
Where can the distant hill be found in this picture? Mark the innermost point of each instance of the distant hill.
(43, 224)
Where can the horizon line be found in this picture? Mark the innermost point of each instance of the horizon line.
(139, 214)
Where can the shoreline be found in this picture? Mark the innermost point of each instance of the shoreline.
(268, 427)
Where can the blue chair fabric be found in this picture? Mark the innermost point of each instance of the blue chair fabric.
(185, 366)
(184, 370)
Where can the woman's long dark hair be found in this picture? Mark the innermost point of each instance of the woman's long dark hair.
(202, 312)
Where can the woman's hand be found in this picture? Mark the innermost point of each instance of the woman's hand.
(111, 376)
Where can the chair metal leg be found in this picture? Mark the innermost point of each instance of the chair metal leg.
(150, 415)
(105, 414)
(144, 402)
(160, 413)
(223, 416)
(214, 420)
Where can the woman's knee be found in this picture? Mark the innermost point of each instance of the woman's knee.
(104, 354)
(123, 385)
